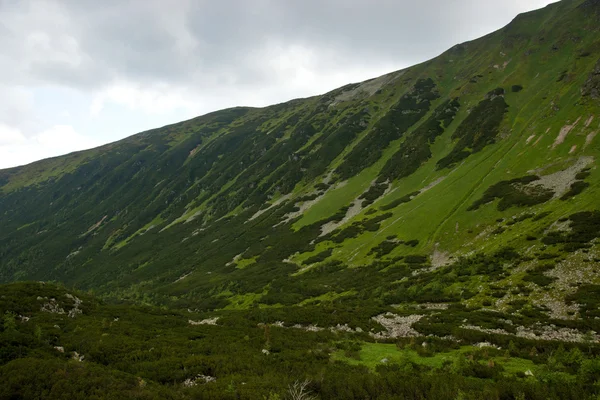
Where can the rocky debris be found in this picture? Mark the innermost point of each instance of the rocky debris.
(589, 138)
(487, 344)
(564, 131)
(308, 328)
(558, 309)
(542, 332)
(315, 328)
(559, 182)
(433, 184)
(432, 306)
(367, 88)
(73, 254)
(396, 326)
(440, 258)
(77, 357)
(573, 149)
(234, 260)
(207, 321)
(95, 226)
(302, 207)
(591, 87)
(345, 328)
(182, 277)
(264, 210)
(589, 121)
(191, 382)
(355, 208)
(75, 311)
(529, 139)
(52, 307)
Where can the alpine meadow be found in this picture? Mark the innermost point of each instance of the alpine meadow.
(433, 233)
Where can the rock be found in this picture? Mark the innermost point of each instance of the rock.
(77, 357)
(384, 361)
(265, 352)
(52, 307)
(396, 326)
(60, 349)
(191, 382)
(207, 321)
(591, 87)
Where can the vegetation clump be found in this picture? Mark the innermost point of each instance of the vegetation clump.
(514, 193)
(578, 186)
(537, 276)
(374, 192)
(401, 200)
(478, 129)
(405, 113)
(584, 227)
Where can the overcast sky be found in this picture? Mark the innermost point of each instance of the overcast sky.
(76, 74)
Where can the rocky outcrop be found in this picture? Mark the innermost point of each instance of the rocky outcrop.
(591, 87)
(207, 321)
(396, 326)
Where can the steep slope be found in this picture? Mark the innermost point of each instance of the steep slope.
(469, 179)
(57, 344)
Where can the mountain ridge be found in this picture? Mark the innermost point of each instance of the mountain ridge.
(430, 233)
(318, 168)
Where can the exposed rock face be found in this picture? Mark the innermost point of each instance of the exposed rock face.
(543, 332)
(53, 307)
(208, 321)
(396, 326)
(591, 87)
(191, 382)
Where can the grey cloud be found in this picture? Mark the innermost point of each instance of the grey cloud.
(205, 42)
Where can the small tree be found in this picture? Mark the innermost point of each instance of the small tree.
(299, 391)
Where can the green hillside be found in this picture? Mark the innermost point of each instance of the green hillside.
(456, 200)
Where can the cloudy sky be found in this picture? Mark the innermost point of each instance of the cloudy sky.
(76, 74)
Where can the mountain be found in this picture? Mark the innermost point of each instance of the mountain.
(457, 198)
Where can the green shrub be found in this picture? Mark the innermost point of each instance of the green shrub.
(514, 193)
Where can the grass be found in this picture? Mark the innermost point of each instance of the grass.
(371, 355)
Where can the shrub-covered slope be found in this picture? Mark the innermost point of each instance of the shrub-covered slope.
(57, 343)
(470, 179)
